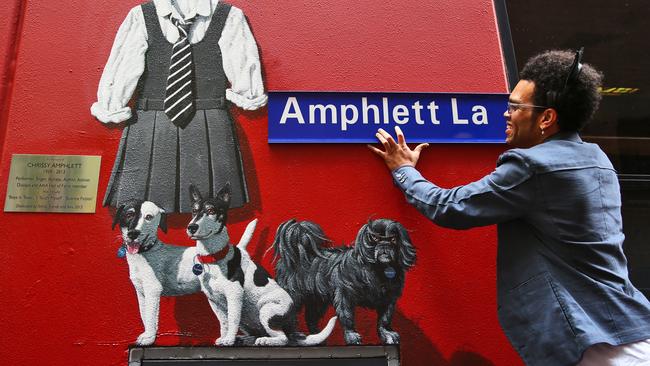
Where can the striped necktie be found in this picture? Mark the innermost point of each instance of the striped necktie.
(179, 96)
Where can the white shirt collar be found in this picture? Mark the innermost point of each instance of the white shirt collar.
(203, 8)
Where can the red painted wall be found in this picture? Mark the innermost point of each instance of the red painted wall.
(10, 30)
(65, 297)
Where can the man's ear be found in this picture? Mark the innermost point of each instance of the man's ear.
(117, 216)
(548, 119)
(195, 195)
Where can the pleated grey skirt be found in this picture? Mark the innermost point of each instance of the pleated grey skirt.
(157, 161)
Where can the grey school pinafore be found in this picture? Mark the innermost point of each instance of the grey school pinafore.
(156, 160)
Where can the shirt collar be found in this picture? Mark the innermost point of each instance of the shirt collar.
(565, 135)
(203, 8)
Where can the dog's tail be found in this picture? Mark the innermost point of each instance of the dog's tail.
(318, 338)
(247, 235)
(296, 243)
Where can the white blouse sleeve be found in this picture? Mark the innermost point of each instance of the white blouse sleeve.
(241, 63)
(122, 71)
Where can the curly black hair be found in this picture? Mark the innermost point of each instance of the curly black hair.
(577, 105)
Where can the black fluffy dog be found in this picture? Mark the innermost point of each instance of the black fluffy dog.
(369, 274)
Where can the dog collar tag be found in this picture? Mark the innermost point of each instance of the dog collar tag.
(197, 269)
(390, 272)
(121, 252)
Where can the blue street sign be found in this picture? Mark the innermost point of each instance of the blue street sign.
(354, 117)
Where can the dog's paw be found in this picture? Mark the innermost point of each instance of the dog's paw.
(145, 339)
(352, 337)
(388, 336)
(271, 341)
(225, 341)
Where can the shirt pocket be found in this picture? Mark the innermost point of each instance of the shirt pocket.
(535, 317)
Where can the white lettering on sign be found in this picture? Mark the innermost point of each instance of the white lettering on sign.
(384, 113)
(345, 121)
(432, 107)
(417, 107)
(286, 114)
(479, 117)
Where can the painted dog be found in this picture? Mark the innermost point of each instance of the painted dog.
(241, 293)
(156, 269)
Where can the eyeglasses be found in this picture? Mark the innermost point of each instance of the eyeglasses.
(517, 106)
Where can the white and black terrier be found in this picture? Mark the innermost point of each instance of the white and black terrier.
(241, 293)
(156, 269)
(369, 274)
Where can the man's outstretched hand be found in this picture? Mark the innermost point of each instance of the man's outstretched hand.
(396, 154)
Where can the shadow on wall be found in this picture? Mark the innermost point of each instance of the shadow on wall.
(250, 171)
(417, 349)
(198, 326)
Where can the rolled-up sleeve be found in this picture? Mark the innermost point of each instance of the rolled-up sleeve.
(123, 69)
(505, 194)
(241, 63)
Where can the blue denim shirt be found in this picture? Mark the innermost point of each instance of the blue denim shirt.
(562, 280)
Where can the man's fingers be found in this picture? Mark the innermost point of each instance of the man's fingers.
(382, 140)
(376, 151)
(401, 140)
(420, 147)
(387, 137)
(383, 133)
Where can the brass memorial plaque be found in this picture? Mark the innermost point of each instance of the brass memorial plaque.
(52, 183)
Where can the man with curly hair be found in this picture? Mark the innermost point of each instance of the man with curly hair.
(563, 291)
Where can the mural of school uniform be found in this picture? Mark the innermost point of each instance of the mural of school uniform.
(156, 160)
